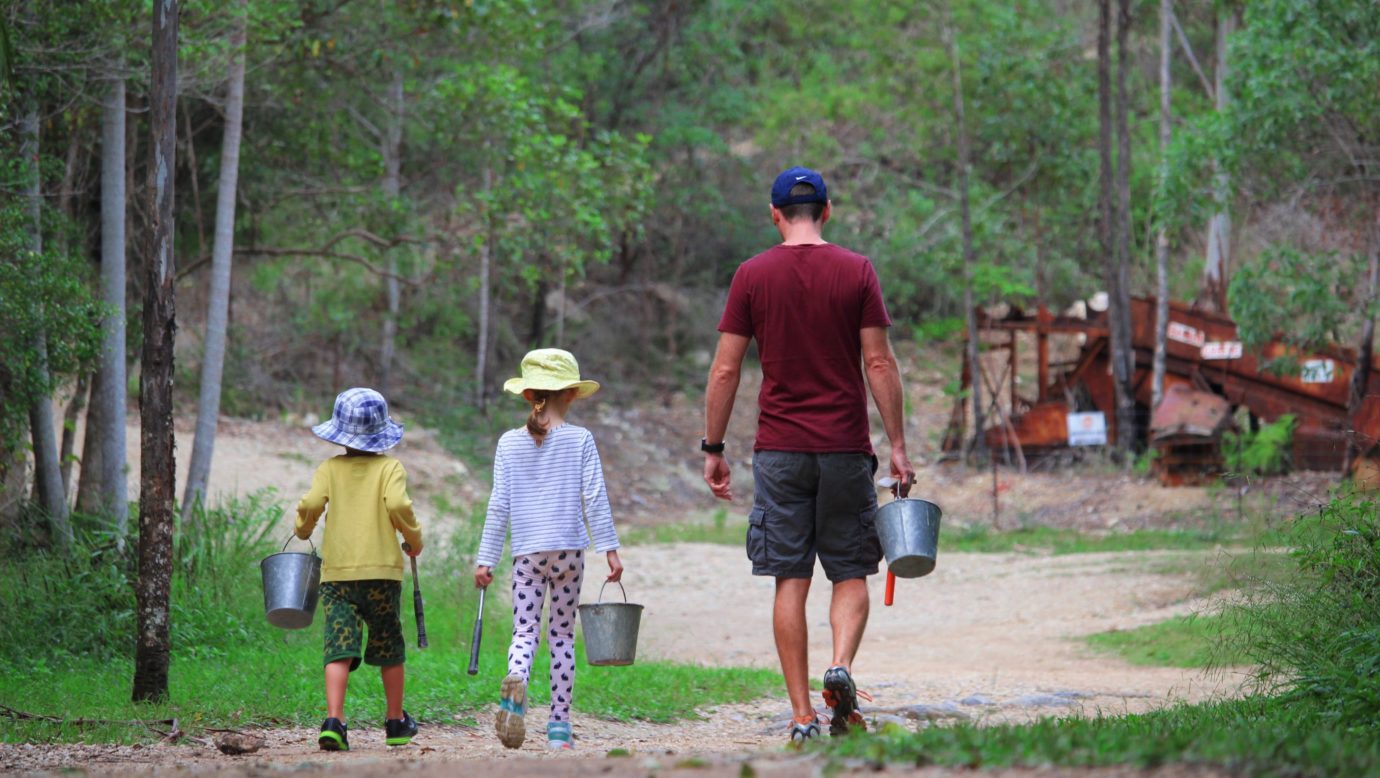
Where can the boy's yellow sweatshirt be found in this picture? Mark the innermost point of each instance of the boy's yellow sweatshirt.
(367, 496)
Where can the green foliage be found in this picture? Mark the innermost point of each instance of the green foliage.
(982, 539)
(1314, 294)
(1261, 452)
(39, 294)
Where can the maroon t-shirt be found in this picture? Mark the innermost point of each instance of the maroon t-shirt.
(805, 305)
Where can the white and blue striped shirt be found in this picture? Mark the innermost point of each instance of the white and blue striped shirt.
(547, 493)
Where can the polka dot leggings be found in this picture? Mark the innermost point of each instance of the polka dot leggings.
(533, 575)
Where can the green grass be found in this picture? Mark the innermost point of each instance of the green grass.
(1185, 641)
(1253, 736)
(66, 635)
(713, 528)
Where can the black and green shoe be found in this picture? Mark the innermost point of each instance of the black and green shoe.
(333, 736)
(399, 732)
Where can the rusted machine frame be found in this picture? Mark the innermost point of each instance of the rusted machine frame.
(1321, 408)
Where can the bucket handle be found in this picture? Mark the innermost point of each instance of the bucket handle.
(620, 586)
(289, 540)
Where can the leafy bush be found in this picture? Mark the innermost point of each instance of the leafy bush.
(1262, 452)
(83, 604)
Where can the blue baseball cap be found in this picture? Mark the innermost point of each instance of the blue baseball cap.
(781, 190)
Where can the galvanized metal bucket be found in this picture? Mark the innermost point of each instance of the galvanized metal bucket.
(291, 583)
(909, 531)
(610, 630)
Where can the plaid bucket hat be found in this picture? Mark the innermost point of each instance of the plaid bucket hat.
(552, 369)
(360, 421)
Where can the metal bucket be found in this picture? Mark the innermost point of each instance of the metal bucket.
(610, 630)
(909, 531)
(291, 584)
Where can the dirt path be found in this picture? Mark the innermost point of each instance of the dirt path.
(987, 638)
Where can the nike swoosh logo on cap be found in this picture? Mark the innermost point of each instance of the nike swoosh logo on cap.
(801, 178)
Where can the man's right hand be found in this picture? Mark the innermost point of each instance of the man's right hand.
(717, 475)
(483, 576)
(902, 471)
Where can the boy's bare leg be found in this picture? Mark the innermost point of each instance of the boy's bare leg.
(792, 644)
(393, 689)
(848, 618)
(337, 679)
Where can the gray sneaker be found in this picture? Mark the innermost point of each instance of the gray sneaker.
(842, 696)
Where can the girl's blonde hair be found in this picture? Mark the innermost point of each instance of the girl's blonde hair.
(536, 422)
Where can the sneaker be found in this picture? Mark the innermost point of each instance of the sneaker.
(804, 729)
(333, 736)
(558, 737)
(512, 706)
(399, 732)
(842, 696)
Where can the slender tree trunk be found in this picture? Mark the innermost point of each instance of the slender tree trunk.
(1119, 309)
(222, 250)
(1162, 233)
(152, 652)
(1213, 295)
(485, 263)
(47, 472)
(392, 187)
(103, 454)
(1107, 221)
(77, 403)
(69, 432)
(1365, 350)
(970, 311)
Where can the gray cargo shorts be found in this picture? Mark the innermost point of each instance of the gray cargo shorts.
(810, 505)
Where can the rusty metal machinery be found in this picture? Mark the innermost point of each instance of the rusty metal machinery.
(1208, 376)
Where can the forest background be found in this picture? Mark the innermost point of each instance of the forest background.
(411, 194)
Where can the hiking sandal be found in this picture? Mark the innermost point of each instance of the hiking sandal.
(841, 695)
(512, 707)
(803, 730)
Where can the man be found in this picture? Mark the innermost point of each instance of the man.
(816, 311)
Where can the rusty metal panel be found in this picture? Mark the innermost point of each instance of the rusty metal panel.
(1188, 411)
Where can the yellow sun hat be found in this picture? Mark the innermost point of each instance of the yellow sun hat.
(552, 369)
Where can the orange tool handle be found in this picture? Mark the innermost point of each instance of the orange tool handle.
(890, 588)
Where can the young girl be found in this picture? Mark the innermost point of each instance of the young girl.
(547, 482)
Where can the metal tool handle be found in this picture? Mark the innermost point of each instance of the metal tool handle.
(417, 601)
(620, 586)
(478, 634)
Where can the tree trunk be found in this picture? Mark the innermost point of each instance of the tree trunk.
(69, 432)
(1162, 233)
(152, 651)
(103, 455)
(1365, 350)
(1213, 295)
(218, 307)
(979, 419)
(392, 187)
(1107, 221)
(485, 263)
(1119, 308)
(47, 471)
(538, 320)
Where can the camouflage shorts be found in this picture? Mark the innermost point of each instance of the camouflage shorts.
(350, 606)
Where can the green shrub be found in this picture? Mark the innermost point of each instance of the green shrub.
(1262, 452)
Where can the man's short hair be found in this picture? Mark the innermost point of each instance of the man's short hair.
(794, 213)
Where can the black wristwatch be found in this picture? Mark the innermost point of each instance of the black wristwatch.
(711, 448)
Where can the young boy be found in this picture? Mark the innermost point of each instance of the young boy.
(362, 566)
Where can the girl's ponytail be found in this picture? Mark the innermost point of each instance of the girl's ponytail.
(536, 423)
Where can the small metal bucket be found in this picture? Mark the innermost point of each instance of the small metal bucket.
(291, 583)
(610, 630)
(909, 531)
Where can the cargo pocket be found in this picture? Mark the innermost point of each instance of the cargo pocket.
(757, 537)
